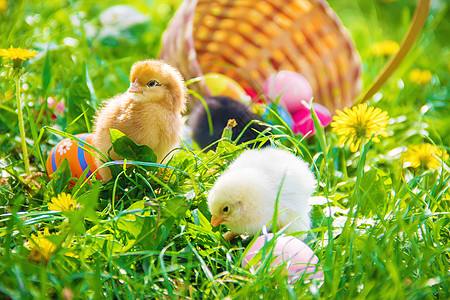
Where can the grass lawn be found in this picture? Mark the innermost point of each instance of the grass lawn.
(381, 219)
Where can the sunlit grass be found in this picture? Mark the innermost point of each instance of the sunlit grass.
(381, 230)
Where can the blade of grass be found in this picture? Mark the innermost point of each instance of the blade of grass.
(205, 106)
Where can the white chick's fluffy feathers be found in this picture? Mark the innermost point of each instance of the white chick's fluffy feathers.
(244, 196)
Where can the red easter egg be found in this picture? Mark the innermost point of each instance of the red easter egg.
(253, 94)
(79, 159)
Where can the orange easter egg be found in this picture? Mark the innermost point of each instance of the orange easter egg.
(79, 159)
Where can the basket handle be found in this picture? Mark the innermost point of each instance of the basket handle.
(420, 16)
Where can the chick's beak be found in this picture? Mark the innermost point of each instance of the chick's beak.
(217, 220)
(135, 88)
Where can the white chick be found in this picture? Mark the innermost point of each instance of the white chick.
(244, 196)
(149, 112)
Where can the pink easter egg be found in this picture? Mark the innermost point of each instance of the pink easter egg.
(299, 258)
(303, 122)
(291, 86)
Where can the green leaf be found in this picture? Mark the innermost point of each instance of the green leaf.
(139, 228)
(79, 102)
(46, 73)
(76, 222)
(128, 149)
(319, 133)
(60, 179)
(89, 201)
(373, 194)
(56, 239)
(33, 128)
(90, 86)
(152, 231)
(176, 207)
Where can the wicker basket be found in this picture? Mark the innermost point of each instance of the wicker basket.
(250, 40)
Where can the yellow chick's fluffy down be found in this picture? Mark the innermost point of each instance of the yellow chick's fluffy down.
(149, 112)
(244, 196)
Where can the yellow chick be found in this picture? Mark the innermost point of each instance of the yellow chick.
(149, 112)
(244, 196)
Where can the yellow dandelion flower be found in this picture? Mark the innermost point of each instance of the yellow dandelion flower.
(9, 94)
(419, 76)
(41, 248)
(425, 155)
(385, 48)
(358, 124)
(3, 5)
(17, 53)
(63, 202)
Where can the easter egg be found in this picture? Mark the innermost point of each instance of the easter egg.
(269, 117)
(290, 87)
(79, 159)
(298, 257)
(221, 85)
(254, 96)
(303, 122)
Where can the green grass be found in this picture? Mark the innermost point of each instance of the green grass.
(383, 234)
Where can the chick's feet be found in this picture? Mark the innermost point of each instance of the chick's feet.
(230, 235)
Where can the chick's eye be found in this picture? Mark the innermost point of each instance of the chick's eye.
(153, 83)
(225, 209)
